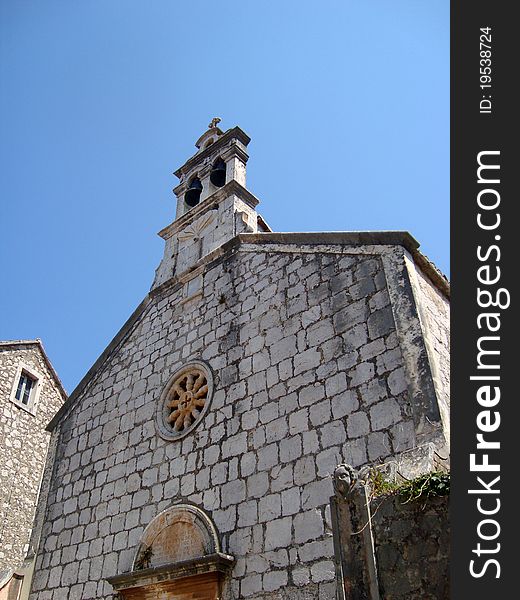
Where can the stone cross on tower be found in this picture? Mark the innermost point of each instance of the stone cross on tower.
(213, 204)
(214, 122)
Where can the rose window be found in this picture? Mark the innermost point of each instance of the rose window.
(188, 398)
(184, 401)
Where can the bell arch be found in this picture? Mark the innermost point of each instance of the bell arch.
(218, 173)
(192, 195)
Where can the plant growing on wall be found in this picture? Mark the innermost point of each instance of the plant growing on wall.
(423, 487)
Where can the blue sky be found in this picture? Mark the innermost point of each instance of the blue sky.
(346, 102)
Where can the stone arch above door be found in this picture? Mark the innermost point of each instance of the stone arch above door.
(182, 532)
(179, 558)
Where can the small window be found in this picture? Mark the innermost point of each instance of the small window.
(26, 388)
(25, 384)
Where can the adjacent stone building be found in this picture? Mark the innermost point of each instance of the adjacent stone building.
(30, 395)
(196, 456)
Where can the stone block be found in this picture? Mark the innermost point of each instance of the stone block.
(304, 470)
(358, 425)
(234, 445)
(378, 445)
(290, 501)
(299, 421)
(283, 349)
(276, 430)
(310, 442)
(290, 449)
(250, 585)
(311, 394)
(384, 414)
(332, 434)
(397, 381)
(319, 333)
(380, 323)
(364, 287)
(269, 412)
(308, 317)
(323, 571)
(247, 513)
(372, 392)
(307, 360)
(403, 436)
(362, 373)
(344, 404)
(278, 533)
(257, 485)
(320, 412)
(327, 461)
(372, 349)
(389, 360)
(233, 492)
(351, 315)
(267, 457)
(225, 520)
(311, 551)
(269, 507)
(274, 580)
(379, 299)
(248, 464)
(256, 564)
(308, 526)
(301, 576)
(281, 478)
(316, 493)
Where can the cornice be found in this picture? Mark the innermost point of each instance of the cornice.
(217, 562)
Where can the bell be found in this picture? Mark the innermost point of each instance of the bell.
(218, 173)
(192, 195)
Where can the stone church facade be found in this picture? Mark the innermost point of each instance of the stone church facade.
(197, 454)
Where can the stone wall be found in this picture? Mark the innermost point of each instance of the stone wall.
(23, 448)
(412, 543)
(308, 373)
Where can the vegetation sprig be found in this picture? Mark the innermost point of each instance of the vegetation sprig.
(424, 487)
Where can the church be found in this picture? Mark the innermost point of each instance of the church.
(196, 458)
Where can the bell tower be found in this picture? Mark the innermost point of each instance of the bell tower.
(213, 204)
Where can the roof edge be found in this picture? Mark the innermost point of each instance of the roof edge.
(347, 238)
